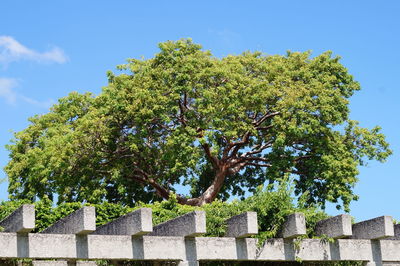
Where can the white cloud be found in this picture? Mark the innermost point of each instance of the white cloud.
(6, 90)
(227, 36)
(42, 104)
(11, 50)
(226, 40)
(8, 93)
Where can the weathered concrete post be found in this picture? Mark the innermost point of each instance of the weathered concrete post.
(22, 220)
(80, 222)
(377, 228)
(242, 225)
(135, 223)
(188, 225)
(294, 226)
(335, 227)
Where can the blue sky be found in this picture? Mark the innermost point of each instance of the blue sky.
(50, 48)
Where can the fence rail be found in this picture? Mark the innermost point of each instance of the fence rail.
(76, 240)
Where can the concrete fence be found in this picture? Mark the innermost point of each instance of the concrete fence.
(75, 240)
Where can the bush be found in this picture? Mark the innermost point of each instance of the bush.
(271, 205)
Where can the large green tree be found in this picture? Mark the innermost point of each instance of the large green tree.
(223, 126)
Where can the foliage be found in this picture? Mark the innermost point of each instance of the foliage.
(272, 206)
(223, 126)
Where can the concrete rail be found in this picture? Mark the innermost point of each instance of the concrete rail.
(135, 223)
(82, 221)
(335, 227)
(242, 225)
(68, 242)
(21, 220)
(294, 226)
(377, 228)
(118, 247)
(188, 225)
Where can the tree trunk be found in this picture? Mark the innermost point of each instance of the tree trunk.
(211, 192)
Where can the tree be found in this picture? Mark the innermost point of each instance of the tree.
(222, 126)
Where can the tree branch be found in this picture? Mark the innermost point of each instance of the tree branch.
(214, 160)
(257, 123)
(182, 108)
(264, 128)
(161, 191)
(236, 146)
(259, 164)
(144, 179)
(259, 159)
(258, 149)
(238, 164)
(299, 158)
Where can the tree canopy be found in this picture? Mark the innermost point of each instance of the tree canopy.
(222, 126)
